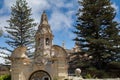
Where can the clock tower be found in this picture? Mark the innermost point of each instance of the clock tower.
(43, 38)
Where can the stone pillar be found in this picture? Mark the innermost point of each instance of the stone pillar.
(17, 70)
(18, 61)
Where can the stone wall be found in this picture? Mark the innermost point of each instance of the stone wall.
(4, 69)
(80, 78)
(104, 79)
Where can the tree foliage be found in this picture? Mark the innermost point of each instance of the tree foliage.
(97, 32)
(5, 77)
(20, 31)
(21, 27)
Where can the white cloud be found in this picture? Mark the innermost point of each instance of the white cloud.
(3, 22)
(2, 55)
(2, 60)
(8, 4)
(38, 6)
(2, 11)
(115, 7)
(60, 21)
(56, 3)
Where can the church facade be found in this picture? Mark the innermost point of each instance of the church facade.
(50, 61)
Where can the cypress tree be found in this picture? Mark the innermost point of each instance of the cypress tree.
(97, 32)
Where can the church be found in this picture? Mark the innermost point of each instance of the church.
(50, 61)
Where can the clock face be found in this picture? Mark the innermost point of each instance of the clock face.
(40, 75)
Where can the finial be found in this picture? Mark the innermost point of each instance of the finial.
(63, 44)
(44, 19)
(77, 47)
(76, 42)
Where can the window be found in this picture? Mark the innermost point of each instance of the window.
(47, 41)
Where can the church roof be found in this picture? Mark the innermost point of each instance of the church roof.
(59, 48)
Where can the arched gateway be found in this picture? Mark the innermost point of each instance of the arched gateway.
(49, 61)
(40, 75)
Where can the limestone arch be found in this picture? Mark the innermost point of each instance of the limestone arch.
(40, 75)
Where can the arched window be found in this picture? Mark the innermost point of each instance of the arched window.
(39, 39)
(47, 41)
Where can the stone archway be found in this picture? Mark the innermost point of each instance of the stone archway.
(40, 75)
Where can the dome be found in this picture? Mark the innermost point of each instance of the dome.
(19, 52)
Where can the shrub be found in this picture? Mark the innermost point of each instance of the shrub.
(92, 72)
(5, 77)
(88, 76)
(114, 69)
(113, 65)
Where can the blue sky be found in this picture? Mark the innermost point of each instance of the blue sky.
(61, 16)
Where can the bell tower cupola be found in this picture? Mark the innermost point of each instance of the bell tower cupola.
(43, 37)
(44, 19)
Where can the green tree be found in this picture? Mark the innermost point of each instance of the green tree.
(5, 77)
(97, 32)
(20, 29)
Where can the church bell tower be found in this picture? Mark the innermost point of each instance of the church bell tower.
(43, 38)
